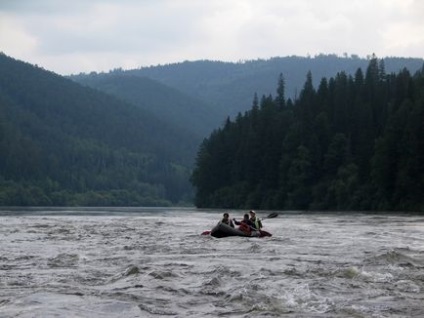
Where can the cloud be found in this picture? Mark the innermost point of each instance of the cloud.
(405, 35)
(14, 36)
(73, 36)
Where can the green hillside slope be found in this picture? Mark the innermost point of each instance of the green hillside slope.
(64, 144)
(164, 102)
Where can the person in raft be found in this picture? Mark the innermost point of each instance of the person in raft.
(226, 219)
(245, 225)
(257, 224)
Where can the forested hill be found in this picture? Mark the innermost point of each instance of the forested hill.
(65, 144)
(164, 102)
(356, 142)
(230, 87)
(200, 95)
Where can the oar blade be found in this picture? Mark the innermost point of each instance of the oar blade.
(272, 215)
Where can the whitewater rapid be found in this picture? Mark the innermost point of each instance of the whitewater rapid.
(154, 263)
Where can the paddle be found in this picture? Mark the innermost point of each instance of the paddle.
(271, 216)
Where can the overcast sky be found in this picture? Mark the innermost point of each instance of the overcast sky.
(72, 36)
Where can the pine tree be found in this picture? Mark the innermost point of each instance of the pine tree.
(280, 99)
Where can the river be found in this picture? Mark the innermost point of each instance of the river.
(134, 262)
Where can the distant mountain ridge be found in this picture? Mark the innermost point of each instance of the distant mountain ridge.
(230, 87)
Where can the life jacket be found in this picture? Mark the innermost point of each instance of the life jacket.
(256, 222)
(245, 228)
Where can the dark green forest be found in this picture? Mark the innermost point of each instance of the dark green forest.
(355, 142)
(63, 144)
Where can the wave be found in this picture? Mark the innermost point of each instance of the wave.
(64, 260)
(394, 257)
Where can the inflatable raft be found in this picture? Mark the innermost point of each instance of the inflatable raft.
(223, 230)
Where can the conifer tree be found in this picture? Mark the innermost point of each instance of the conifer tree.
(281, 87)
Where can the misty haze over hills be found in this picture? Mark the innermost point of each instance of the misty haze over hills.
(169, 104)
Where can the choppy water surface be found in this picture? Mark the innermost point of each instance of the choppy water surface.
(155, 264)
